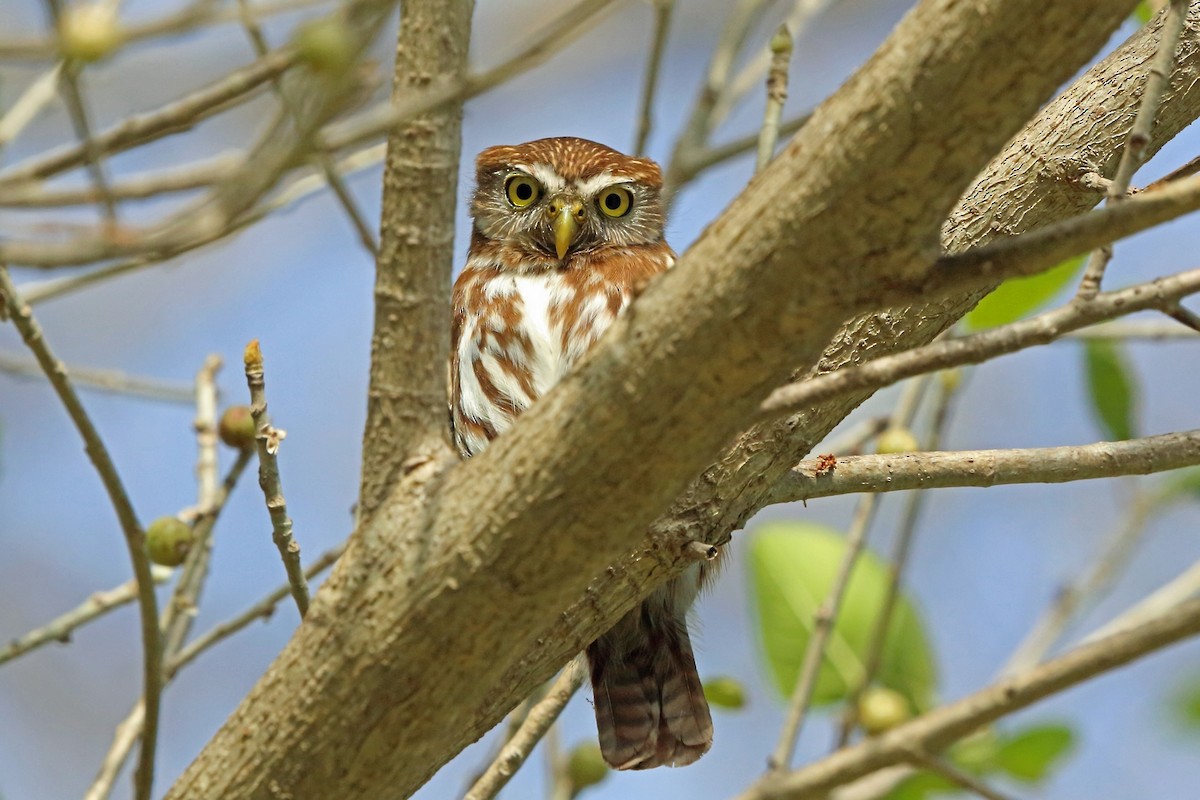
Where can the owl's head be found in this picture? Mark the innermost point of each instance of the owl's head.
(555, 197)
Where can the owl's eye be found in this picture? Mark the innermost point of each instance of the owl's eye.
(522, 190)
(615, 201)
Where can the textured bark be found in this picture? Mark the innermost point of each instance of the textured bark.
(447, 608)
(410, 345)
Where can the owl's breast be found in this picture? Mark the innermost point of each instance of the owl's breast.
(518, 336)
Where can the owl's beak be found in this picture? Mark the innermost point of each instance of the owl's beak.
(566, 216)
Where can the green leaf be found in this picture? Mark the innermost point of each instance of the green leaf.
(792, 567)
(1143, 13)
(921, 785)
(1186, 705)
(1019, 297)
(1112, 388)
(1031, 754)
(725, 692)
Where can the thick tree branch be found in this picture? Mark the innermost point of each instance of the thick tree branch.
(406, 399)
(940, 470)
(428, 629)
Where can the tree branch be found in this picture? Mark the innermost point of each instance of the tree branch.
(933, 731)
(410, 345)
(135, 538)
(977, 348)
(940, 470)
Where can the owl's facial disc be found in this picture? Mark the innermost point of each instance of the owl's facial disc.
(565, 214)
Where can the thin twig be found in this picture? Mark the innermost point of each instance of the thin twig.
(699, 127)
(662, 27)
(176, 621)
(697, 162)
(802, 15)
(260, 610)
(190, 18)
(189, 177)
(210, 218)
(1138, 141)
(901, 552)
(125, 736)
(941, 727)
(324, 160)
(777, 92)
(36, 97)
(1086, 588)
(176, 116)
(539, 720)
(135, 538)
(81, 121)
(268, 438)
(980, 347)
(983, 468)
(1185, 171)
(1184, 316)
(814, 653)
(300, 189)
(1123, 330)
(1183, 587)
(61, 628)
(385, 116)
(964, 780)
(104, 380)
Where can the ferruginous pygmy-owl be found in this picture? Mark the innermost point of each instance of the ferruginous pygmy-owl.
(566, 233)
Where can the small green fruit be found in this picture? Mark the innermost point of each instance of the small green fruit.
(236, 427)
(586, 766)
(325, 44)
(89, 32)
(725, 692)
(896, 440)
(881, 709)
(168, 541)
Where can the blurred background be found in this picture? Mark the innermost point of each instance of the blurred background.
(987, 562)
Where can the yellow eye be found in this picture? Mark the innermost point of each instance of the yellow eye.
(615, 201)
(522, 190)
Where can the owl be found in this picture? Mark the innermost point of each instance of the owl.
(566, 233)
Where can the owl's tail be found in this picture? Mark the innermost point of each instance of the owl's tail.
(650, 707)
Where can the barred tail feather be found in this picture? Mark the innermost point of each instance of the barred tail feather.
(650, 707)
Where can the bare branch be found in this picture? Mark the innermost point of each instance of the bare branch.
(263, 609)
(105, 380)
(192, 17)
(935, 730)
(1139, 135)
(939, 470)
(662, 27)
(1039, 330)
(947, 770)
(814, 652)
(777, 91)
(175, 117)
(267, 438)
(60, 628)
(135, 538)
(36, 97)
(1087, 587)
(539, 720)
